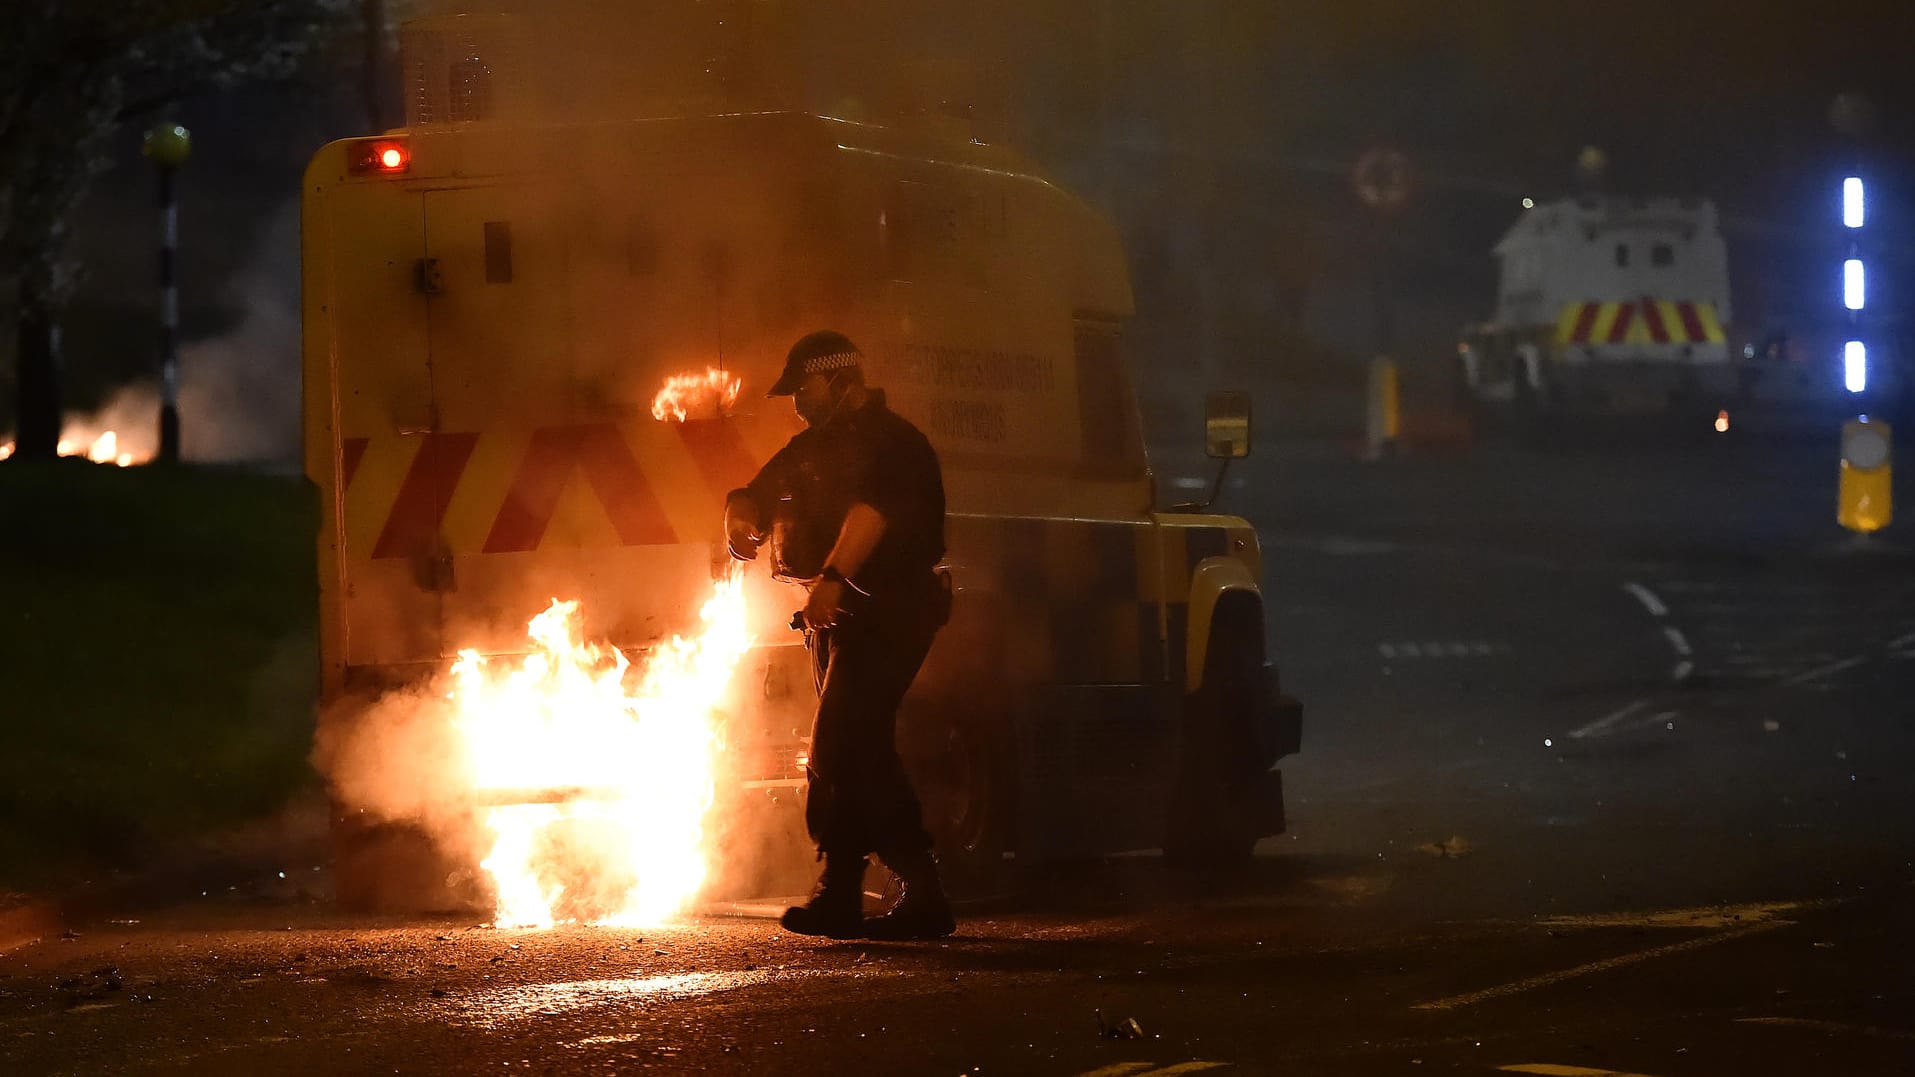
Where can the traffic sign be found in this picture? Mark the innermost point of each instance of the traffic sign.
(1383, 179)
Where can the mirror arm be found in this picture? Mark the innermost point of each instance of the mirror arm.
(1216, 490)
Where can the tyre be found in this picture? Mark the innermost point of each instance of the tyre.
(1213, 820)
(962, 773)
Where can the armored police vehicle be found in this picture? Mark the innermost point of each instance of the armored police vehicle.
(1607, 305)
(494, 298)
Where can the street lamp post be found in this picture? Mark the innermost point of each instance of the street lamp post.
(168, 146)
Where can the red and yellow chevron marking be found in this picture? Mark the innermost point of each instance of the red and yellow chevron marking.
(1642, 321)
(580, 486)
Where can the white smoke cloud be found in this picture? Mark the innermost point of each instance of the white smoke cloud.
(240, 392)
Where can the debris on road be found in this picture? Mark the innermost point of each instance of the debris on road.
(1126, 1029)
(1453, 849)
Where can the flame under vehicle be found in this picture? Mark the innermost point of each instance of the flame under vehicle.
(1606, 305)
(492, 307)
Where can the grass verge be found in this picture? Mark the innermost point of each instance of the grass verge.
(158, 668)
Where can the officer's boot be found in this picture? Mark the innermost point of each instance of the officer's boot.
(836, 910)
(923, 912)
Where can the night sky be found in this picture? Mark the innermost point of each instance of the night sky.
(1218, 135)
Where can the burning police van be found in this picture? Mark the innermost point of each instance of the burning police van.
(535, 361)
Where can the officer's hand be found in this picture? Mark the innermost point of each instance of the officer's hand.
(743, 542)
(826, 604)
(742, 536)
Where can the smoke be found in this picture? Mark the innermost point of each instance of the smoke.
(398, 759)
(240, 392)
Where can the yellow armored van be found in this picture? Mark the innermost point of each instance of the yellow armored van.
(494, 309)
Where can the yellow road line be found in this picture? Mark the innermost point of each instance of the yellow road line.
(1835, 1027)
(1151, 1070)
(1700, 916)
(1550, 1070)
(1546, 979)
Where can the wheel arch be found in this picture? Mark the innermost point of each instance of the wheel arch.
(1221, 587)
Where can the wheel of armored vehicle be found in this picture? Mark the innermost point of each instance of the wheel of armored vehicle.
(1216, 813)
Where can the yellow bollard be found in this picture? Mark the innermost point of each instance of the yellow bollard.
(1383, 419)
(1864, 501)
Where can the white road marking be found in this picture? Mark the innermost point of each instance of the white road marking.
(1117, 1069)
(1900, 642)
(1648, 599)
(1822, 672)
(1664, 718)
(1833, 1027)
(1601, 725)
(1547, 979)
(1677, 641)
(1453, 648)
(1683, 670)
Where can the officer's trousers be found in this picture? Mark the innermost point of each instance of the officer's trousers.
(859, 800)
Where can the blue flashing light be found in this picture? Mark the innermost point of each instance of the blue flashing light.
(1855, 366)
(1854, 284)
(1853, 207)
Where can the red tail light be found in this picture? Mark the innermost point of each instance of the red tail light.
(384, 157)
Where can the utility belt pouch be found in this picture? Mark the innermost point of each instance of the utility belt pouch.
(941, 596)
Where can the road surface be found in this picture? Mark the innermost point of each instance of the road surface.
(1605, 770)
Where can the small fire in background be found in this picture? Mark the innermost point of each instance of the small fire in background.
(599, 786)
(105, 437)
(101, 449)
(714, 391)
(1722, 422)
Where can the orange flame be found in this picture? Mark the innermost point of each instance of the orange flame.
(632, 767)
(684, 393)
(101, 449)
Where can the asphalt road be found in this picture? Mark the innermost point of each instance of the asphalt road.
(1605, 771)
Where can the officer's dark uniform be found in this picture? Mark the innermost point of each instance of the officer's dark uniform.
(860, 800)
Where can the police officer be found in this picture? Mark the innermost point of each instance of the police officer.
(854, 506)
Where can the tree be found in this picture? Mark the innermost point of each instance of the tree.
(71, 74)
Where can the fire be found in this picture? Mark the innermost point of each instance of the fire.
(101, 449)
(684, 393)
(1722, 422)
(106, 450)
(599, 786)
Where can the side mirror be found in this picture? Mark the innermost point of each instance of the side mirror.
(1227, 425)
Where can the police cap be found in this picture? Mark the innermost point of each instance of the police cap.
(819, 353)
